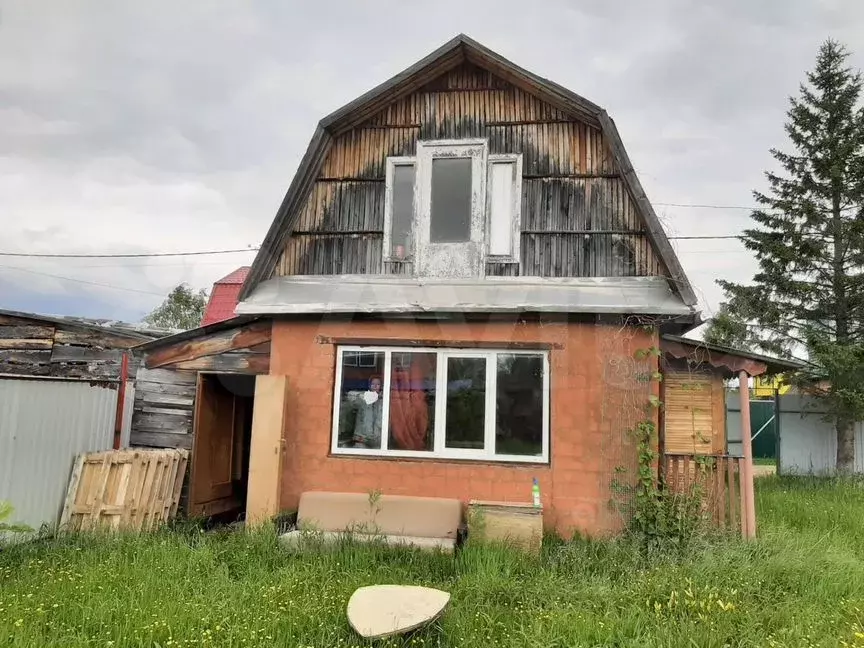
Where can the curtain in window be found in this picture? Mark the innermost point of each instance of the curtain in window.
(409, 410)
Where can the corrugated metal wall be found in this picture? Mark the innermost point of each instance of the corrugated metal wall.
(808, 444)
(44, 424)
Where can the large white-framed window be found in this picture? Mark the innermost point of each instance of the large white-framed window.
(504, 207)
(442, 403)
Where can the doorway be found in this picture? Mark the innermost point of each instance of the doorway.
(219, 478)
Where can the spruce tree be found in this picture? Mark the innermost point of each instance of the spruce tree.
(807, 299)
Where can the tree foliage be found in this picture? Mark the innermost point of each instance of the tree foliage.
(807, 298)
(725, 329)
(182, 309)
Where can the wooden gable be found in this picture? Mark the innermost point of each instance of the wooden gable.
(578, 218)
(584, 213)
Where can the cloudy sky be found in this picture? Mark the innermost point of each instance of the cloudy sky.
(130, 127)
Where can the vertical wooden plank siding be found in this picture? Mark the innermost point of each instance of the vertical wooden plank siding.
(577, 216)
(694, 416)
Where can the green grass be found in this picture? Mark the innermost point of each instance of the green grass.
(764, 461)
(800, 584)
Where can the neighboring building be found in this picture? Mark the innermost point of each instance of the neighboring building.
(224, 297)
(472, 240)
(769, 386)
(65, 388)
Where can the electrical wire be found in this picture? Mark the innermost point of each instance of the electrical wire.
(141, 255)
(82, 281)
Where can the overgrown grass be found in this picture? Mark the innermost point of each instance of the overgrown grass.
(800, 584)
(764, 461)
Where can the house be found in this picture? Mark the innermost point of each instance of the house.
(224, 297)
(464, 288)
(65, 388)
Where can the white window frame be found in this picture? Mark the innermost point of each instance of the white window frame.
(358, 360)
(427, 253)
(439, 451)
(515, 159)
(393, 162)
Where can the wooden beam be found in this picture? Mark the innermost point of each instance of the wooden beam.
(27, 343)
(266, 450)
(239, 363)
(748, 509)
(182, 379)
(85, 354)
(26, 356)
(106, 340)
(233, 339)
(466, 344)
(161, 440)
(26, 332)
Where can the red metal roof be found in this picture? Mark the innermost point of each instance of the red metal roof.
(224, 296)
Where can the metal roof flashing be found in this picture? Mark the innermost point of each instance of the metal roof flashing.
(307, 294)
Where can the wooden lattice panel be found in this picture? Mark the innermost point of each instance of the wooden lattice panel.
(124, 489)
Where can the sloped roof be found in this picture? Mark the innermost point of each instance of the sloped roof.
(224, 297)
(450, 55)
(140, 332)
(237, 277)
(726, 358)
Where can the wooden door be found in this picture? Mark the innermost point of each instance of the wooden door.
(212, 488)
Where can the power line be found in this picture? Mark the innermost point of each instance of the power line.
(123, 256)
(701, 238)
(148, 255)
(699, 206)
(82, 281)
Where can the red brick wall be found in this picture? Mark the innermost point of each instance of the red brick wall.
(594, 397)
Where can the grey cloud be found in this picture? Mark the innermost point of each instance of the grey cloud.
(178, 125)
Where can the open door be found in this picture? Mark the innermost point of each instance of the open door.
(212, 489)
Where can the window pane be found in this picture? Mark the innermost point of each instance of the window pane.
(412, 401)
(403, 210)
(519, 404)
(501, 208)
(451, 200)
(360, 400)
(466, 403)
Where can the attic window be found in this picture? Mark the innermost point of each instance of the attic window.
(399, 205)
(451, 207)
(451, 200)
(504, 206)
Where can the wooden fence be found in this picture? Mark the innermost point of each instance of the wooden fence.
(716, 478)
(124, 489)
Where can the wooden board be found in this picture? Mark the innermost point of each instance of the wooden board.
(135, 490)
(265, 456)
(163, 408)
(514, 523)
(234, 339)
